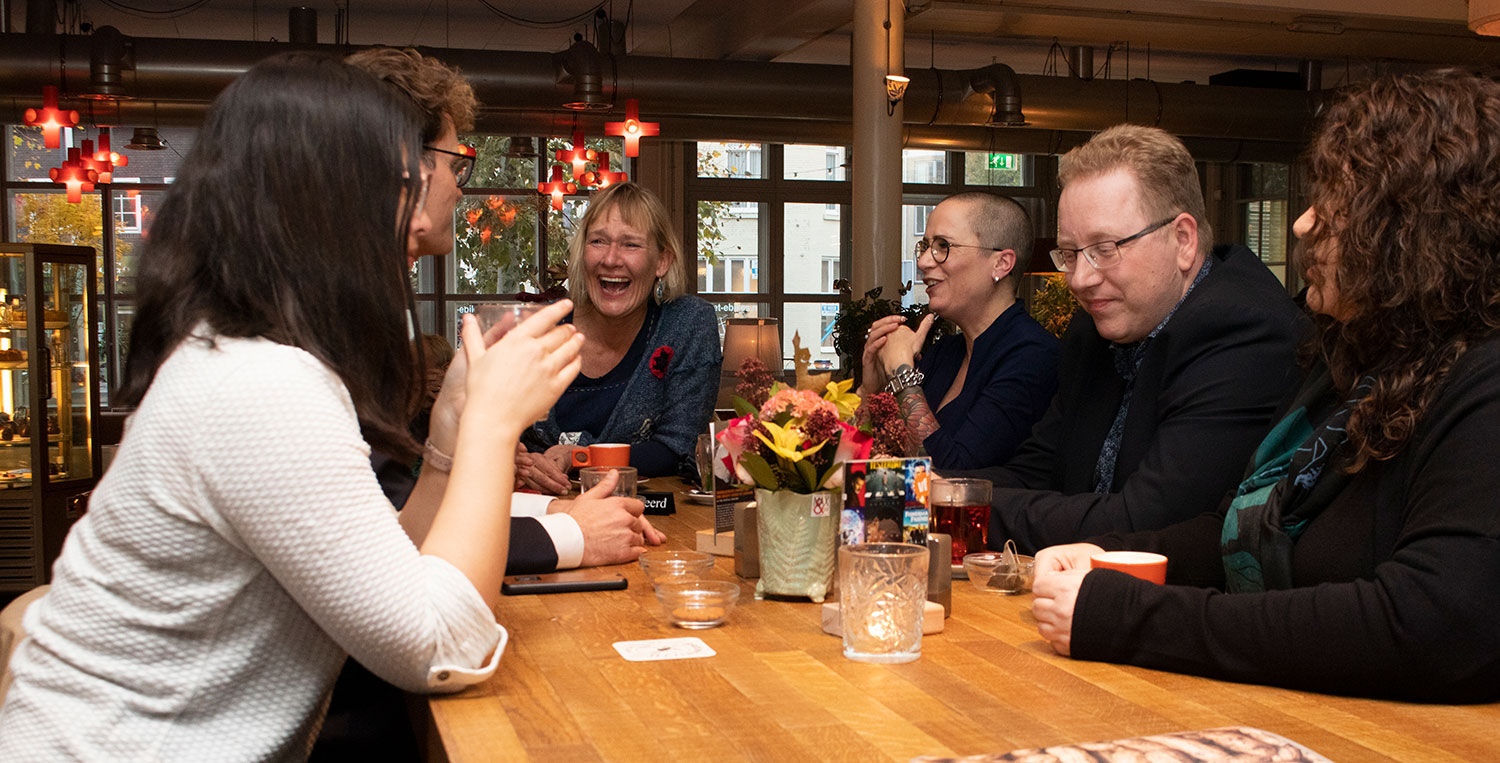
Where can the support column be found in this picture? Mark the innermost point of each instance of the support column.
(875, 161)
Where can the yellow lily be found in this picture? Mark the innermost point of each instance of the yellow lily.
(786, 440)
(838, 393)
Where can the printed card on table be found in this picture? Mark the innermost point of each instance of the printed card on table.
(655, 649)
(726, 492)
(886, 500)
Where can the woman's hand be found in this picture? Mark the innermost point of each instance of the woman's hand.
(1056, 594)
(1065, 558)
(902, 344)
(875, 377)
(515, 382)
(534, 471)
(442, 427)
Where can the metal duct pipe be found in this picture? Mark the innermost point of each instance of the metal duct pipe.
(1080, 62)
(302, 25)
(196, 70)
(110, 56)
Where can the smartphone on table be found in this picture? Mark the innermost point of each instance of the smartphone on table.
(568, 581)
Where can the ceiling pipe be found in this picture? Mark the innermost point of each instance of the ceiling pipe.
(185, 74)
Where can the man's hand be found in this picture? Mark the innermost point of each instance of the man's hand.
(613, 529)
(1053, 606)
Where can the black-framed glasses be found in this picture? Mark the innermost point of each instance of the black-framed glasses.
(1104, 254)
(463, 162)
(939, 247)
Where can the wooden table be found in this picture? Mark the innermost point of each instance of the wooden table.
(781, 689)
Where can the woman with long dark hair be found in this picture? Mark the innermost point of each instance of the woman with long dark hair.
(1360, 553)
(240, 546)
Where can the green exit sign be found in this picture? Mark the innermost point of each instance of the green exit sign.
(1003, 161)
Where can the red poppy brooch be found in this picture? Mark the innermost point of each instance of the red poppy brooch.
(660, 360)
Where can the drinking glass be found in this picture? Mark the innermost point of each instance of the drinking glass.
(589, 476)
(705, 454)
(883, 594)
(509, 313)
(961, 508)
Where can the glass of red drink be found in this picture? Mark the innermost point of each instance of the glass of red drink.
(961, 508)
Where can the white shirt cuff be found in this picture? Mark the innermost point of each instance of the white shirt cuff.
(567, 538)
(529, 504)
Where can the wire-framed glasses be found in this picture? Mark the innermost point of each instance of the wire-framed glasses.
(463, 162)
(939, 247)
(1104, 254)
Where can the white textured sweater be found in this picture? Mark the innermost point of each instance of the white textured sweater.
(237, 549)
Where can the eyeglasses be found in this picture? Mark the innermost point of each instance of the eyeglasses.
(1105, 254)
(463, 162)
(939, 248)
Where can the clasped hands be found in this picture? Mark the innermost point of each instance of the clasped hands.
(890, 345)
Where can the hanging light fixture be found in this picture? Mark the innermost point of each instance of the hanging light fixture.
(1484, 17)
(50, 118)
(582, 62)
(895, 84)
(557, 187)
(602, 177)
(578, 156)
(521, 147)
(632, 129)
(105, 159)
(75, 176)
(145, 139)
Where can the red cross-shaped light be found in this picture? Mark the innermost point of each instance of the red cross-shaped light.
(632, 128)
(601, 177)
(105, 160)
(77, 176)
(50, 118)
(557, 186)
(579, 155)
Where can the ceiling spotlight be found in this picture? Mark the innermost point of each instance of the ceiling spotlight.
(582, 62)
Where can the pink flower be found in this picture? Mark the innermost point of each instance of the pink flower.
(853, 445)
(799, 403)
(734, 438)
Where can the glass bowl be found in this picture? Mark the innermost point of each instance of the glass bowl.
(989, 574)
(697, 604)
(662, 566)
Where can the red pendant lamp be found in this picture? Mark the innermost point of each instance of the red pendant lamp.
(50, 118)
(558, 186)
(632, 129)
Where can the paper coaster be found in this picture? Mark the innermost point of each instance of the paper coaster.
(664, 649)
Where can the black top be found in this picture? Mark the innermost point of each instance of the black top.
(1205, 393)
(1395, 581)
(1011, 377)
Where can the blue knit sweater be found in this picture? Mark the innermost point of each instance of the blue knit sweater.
(670, 396)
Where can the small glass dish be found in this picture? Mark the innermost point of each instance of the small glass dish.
(696, 604)
(988, 573)
(661, 566)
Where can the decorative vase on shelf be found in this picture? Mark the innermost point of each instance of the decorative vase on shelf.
(798, 540)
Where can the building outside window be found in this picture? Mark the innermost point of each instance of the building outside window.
(1261, 198)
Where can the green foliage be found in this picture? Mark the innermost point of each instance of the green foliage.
(853, 323)
(1053, 305)
(49, 218)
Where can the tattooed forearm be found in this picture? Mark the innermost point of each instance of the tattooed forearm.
(920, 421)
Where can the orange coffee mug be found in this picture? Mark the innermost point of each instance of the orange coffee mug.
(602, 454)
(1146, 566)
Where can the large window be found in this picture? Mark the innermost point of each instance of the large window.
(770, 236)
(1262, 192)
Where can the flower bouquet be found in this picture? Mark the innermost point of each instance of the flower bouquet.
(790, 445)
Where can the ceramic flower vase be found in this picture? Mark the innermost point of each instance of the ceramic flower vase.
(798, 538)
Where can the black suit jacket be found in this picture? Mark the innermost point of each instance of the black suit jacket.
(1205, 393)
(531, 549)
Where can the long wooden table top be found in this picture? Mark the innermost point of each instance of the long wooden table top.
(780, 689)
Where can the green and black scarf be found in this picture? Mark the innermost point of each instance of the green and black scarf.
(1293, 477)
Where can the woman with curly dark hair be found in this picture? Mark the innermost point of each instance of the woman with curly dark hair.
(1361, 552)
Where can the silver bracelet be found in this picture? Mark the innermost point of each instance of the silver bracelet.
(903, 377)
(435, 458)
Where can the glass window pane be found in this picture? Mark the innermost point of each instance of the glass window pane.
(131, 206)
(997, 169)
(810, 324)
(495, 245)
(30, 159)
(729, 160)
(723, 311)
(562, 225)
(806, 162)
(504, 162)
(1265, 233)
(810, 239)
(924, 166)
(729, 246)
(913, 227)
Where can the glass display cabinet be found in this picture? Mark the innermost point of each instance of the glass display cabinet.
(49, 402)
